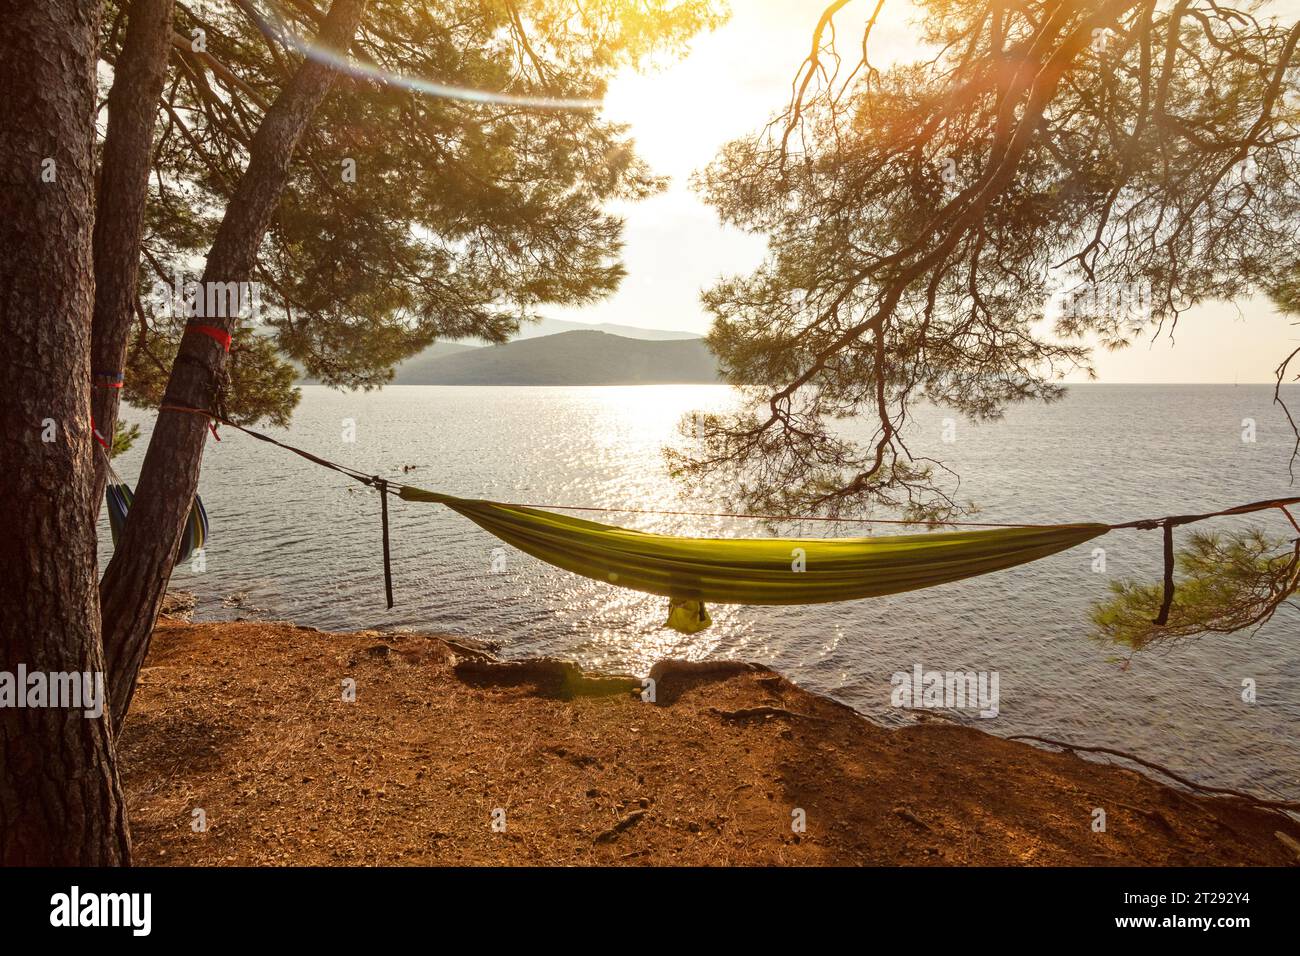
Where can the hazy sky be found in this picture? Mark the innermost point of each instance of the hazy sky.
(729, 84)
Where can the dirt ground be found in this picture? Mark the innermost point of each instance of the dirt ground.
(449, 757)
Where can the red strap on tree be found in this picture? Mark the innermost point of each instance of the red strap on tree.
(212, 422)
(221, 336)
(98, 437)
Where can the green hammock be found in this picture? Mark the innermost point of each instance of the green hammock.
(693, 571)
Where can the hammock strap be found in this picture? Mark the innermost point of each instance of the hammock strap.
(1166, 523)
(382, 485)
(1168, 600)
(314, 459)
(99, 438)
(218, 335)
(1141, 524)
(104, 380)
(374, 481)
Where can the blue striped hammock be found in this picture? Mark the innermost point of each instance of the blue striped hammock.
(118, 497)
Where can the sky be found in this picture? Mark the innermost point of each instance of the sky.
(730, 82)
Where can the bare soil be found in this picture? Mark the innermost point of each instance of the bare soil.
(246, 721)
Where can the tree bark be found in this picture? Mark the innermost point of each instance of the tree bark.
(138, 78)
(136, 578)
(60, 797)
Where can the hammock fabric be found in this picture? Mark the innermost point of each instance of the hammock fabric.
(694, 571)
(118, 497)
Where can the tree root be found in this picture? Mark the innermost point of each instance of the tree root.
(1279, 805)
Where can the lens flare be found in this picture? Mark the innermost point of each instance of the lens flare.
(372, 71)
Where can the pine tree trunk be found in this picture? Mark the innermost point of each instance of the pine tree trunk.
(138, 77)
(60, 798)
(135, 582)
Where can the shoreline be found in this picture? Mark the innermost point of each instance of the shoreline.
(241, 749)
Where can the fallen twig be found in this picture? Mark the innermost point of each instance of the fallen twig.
(753, 713)
(613, 832)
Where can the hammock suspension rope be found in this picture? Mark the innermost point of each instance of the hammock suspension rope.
(690, 571)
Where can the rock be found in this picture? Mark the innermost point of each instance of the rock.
(178, 605)
(551, 677)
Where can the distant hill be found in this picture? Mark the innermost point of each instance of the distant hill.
(556, 326)
(411, 366)
(416, 364)
(569, 358)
